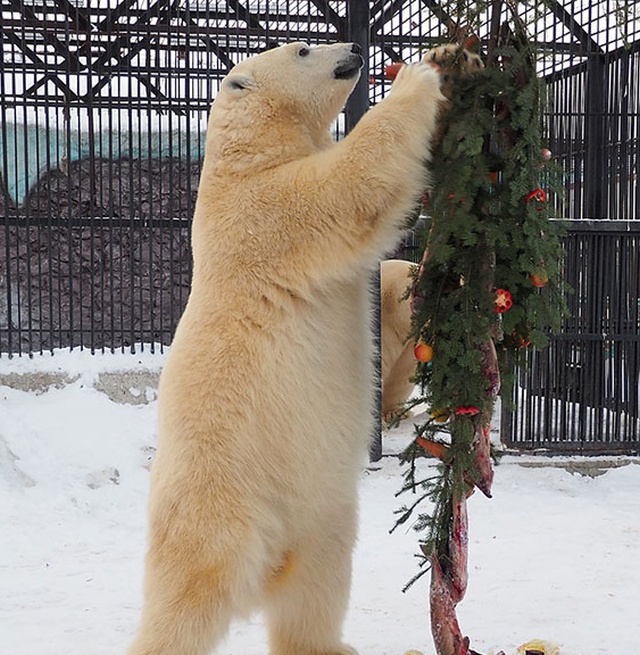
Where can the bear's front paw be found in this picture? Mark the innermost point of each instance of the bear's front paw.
(453, 58)
(414, 77)
(455, 62)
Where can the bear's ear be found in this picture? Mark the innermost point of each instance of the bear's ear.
(239, 82)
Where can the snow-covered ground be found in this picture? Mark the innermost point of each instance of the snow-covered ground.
(554, 555)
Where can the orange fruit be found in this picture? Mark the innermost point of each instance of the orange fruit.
(539, 280)
(423, 352)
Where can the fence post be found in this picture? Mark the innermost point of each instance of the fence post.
(358, 31)
(358, 18)
(595, 179)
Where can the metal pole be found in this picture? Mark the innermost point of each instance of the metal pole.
(594, 161)
(358, 31)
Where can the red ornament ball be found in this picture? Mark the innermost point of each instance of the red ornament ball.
(546, 154)
(391, 70)
(469, 410)
(539, 195)
(503, 301)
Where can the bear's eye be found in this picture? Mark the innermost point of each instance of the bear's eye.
(303, 52)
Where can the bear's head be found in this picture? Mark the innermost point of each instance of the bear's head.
(294, 83)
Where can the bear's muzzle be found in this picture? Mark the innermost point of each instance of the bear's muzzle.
(349, 67)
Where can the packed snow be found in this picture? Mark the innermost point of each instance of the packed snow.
(554, 555)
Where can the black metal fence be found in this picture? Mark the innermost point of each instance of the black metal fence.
(593, 131)
(104, 109)
(582, 392)
(102, 126)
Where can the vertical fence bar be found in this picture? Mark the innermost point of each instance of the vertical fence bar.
(594, 138)
(358, 17)
(358, 31)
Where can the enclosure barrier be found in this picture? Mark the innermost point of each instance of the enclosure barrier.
(581, 393)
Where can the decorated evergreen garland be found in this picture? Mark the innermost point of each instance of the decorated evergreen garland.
(488, 288)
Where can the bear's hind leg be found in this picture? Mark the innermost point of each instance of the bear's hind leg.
(189, 603)
(306, 605)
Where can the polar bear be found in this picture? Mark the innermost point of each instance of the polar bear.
(398, 361)
(266, 397)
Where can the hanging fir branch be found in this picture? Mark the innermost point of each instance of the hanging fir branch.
(488, 288)
(490, 240)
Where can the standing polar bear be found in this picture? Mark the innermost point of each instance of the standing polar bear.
(265, 401)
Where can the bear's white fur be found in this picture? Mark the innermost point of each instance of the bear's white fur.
(265, 400)
(398, 360)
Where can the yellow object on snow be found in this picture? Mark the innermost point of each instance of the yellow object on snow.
(545, 647)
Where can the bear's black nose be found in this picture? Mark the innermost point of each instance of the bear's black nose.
(355, 48)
